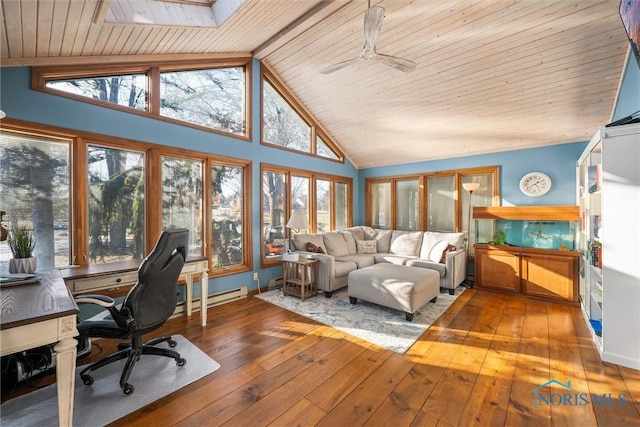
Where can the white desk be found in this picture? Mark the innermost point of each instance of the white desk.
(39, 314)
(100, 277)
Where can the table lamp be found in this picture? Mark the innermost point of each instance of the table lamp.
(298, 221)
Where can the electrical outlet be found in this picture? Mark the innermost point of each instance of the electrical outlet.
(255, 276)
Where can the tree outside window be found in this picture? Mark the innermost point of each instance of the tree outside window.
(227, 212)
(115, 204)
(34, 193)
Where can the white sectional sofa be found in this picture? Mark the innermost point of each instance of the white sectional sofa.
(359, 247)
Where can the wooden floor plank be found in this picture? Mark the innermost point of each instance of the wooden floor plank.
(489, 398)
(532, 369)
(476, 365)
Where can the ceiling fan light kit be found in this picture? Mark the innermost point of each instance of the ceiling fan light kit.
(372, 26)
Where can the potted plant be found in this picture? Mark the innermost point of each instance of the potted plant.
(22, 243)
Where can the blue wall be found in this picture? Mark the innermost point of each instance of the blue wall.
(557, 161)
(20, 102)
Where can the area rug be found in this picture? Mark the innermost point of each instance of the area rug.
(103, 402)
(383, 326)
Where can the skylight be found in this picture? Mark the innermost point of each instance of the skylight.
(179, 13)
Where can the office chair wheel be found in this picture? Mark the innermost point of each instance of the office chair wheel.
(128, 389)
(87, 380)
(181, 361)
(172, 343)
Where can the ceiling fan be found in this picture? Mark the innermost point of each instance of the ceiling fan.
(372, 26)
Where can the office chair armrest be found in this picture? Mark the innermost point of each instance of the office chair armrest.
(101, 300)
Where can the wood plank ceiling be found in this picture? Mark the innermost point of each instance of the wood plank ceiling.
(491, 75)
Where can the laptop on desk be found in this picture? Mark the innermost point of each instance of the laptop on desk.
(7, 280)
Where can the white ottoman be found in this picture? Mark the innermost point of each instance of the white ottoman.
(395, 286)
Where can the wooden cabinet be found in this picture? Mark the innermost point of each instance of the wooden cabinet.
(541, 273)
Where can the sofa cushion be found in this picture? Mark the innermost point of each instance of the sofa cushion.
(350, 241)
(423, 263)
(430, 238)
(300, 241)
(406, 243)
(343, 268)
(384, 240)
(335, 244)
(367, 246)
(357, 232)
(369, 233)
(435, 254)
(361, 260)
(392, 259)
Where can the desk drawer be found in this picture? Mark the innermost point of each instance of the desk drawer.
(106, 282)
(194, 267)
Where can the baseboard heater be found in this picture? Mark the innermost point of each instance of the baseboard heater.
(215, 299)
(275, 283)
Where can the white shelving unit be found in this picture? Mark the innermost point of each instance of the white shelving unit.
(608, 177)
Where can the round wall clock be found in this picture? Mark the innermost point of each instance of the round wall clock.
(535, 184)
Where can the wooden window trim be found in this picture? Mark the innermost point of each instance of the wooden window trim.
(78, 220)
(457, 174)
(298, 107)
(40, 76)
(313, 176)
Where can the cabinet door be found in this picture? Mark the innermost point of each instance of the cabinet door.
(549, 276)
(498, 270)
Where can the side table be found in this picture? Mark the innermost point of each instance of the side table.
(300, 278)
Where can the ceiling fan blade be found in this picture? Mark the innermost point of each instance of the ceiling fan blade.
(372, 26)
(339, 66)
(395, 62)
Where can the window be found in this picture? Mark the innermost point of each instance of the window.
(125, 90)
(483, 196)
(323, 205)
(228, 215)
(182, 198)
(407, 204)
(115, 204)
(300, 196)
(283, 126)
(116, 196)
(34, 190)
(441, 203)
(273, 212)
(401, 203)
(209, 96)
(287, 125)
(380, 205)
(324, 150)
(325, 199)
(342, 205)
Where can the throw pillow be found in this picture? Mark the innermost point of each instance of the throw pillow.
(367, 246)
(450, 248)
(313, 248)
(435, 254)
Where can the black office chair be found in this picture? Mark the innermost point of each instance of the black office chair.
(146, 307)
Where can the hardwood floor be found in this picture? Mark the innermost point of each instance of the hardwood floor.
(477, 365)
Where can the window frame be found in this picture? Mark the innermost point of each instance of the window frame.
(457, 174)
(316, 129)
(78, 220)
(312, 202)
(41, 75)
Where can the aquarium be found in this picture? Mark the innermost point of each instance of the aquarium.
(547, 234)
